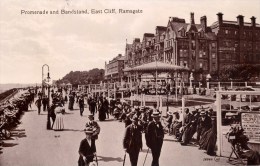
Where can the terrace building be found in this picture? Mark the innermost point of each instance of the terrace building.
(114, 69)
(238, 41)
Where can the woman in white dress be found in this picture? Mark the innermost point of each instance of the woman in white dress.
(58, 123)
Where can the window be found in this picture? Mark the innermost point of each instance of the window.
(228, 56)
(226, 32)
(181, 53)
(200, 54)
(193, 44)
(205, 66)
(201, 65)
(214, 66)
(185, 63)
(213, 45)
(213, 55)
(185, 54)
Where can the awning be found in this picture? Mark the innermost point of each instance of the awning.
(159, 66)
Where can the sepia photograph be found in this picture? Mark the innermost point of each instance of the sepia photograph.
(129, 82)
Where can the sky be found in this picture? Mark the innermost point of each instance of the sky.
(85, 41)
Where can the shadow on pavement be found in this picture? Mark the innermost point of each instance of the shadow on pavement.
(68, 113)
(30, 111)
(107, 159)
(9, 144)
(108, 120)
(72, 130)
(170, 140)
(19, 134)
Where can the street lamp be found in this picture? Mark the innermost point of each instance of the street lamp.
(168, 88)
(43, 81)
(45, 65)
(208, 77)
(191, 79)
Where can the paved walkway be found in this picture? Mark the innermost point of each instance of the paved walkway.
(33, 145)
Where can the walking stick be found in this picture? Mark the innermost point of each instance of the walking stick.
(96, 159)
(146, 155)
(124, 159)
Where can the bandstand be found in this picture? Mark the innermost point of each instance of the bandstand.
(154, 76)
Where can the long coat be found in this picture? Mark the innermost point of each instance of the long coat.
(133, 138)
(86, 150)
(154, 135)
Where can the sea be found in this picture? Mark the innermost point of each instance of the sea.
(5, 87)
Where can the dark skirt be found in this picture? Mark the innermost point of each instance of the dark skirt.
(208, 141)
(101, 114)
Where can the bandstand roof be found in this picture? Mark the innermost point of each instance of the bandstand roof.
(159, 66)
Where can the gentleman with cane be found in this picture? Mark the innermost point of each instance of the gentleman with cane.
(132, 141)
(154, 137)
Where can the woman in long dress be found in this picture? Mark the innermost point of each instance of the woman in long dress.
(58, 123)
(209, 138)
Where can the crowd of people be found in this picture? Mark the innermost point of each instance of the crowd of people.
(138, 120)
(12, 110)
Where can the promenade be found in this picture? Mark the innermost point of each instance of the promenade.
(33, 145)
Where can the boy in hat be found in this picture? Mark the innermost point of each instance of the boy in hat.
(87, 149)
(154, 137)
(93, 125)
(132, 141)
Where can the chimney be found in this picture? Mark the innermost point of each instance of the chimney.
(192, 18)
(203, 22)
(253, 21)
(240, 20)
(220, 18)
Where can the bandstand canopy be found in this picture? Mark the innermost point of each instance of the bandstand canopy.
(159, 66)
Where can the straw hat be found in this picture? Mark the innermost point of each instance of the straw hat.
(156, 114)
(170, 113)
(202, 113)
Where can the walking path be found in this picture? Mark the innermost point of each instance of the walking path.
(33, 145)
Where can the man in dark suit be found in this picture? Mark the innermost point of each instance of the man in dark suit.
(132, 141)
(81, 105)
(187, 120)
(154, 137)
(86, 149)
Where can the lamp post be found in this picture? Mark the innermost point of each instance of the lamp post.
(168, 88)
(191, 79)
(45, 65)
(208, 77)
(48, 79)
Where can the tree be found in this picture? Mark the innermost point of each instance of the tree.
(93, 76)
(241, 72)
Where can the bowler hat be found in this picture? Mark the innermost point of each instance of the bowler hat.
(90, 116)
